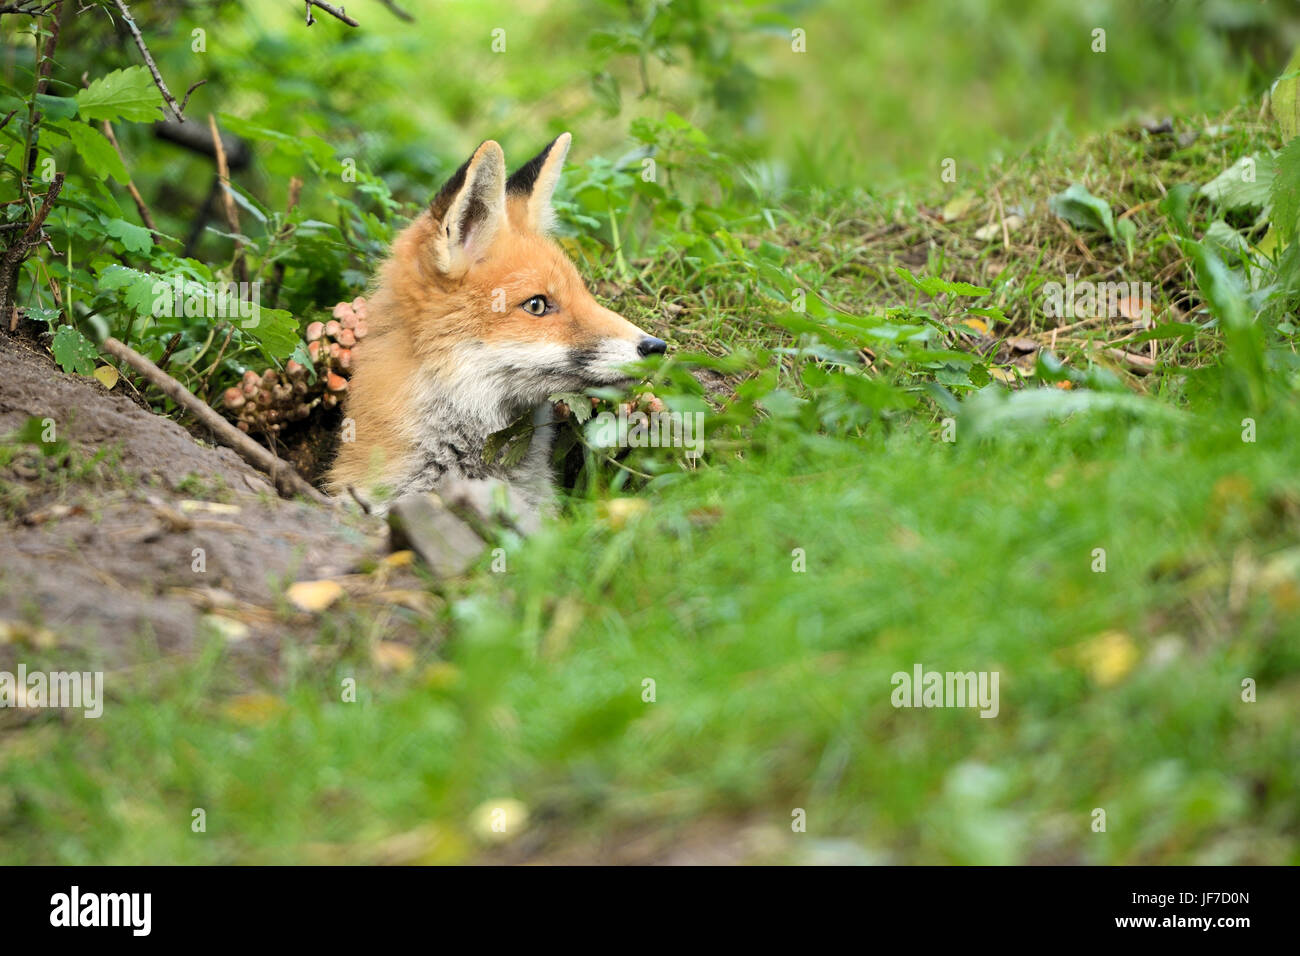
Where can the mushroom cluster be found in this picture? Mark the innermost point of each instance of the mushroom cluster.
(269, 401)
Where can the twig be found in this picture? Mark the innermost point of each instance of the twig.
(130, 185)
(277, 273)
(174, 341)
(232, 214)
(331, 10)
(193, 86)
(28, 9)
(398, 11)
(220, 355)
(287, 481)
(14, 256)
(176, 108)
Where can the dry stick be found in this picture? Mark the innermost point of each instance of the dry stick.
(238, 266)
(277, 273)
(287, 481)
(176, 108)
(398, 11)
(130, 185)
(331, 10)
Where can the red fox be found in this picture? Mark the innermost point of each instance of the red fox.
(477, 316)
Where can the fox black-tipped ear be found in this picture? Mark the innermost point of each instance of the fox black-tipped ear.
(470, 209)
(536, 181)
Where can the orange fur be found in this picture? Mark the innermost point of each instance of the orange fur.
(423, 315)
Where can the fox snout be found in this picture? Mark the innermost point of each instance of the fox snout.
(651, 346)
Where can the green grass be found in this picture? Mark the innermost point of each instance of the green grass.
(1119, 690)
(773, 686)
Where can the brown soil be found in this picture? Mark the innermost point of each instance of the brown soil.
(100, 556)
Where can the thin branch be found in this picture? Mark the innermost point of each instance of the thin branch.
(176, 108)
(331, 10)
(130, 185)
(193, 86)
(398, 11)
(30, 9)
(287, 481)
(232, 214)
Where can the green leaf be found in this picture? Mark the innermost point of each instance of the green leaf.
(134, 238)
(100, 156)
(276, 332)
(142, 287)
(1243, 185)
(579, 405)
(56, 107)
(121, 95)
(73, 351)
(1285, 194)
(512, 438)
(1083, 210)
(933, 286)
(1284, 101)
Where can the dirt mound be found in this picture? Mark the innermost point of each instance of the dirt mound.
(122, 537)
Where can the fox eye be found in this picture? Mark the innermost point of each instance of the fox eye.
(537, 305)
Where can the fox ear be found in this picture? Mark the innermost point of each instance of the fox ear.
(470, 209)
(535, 181)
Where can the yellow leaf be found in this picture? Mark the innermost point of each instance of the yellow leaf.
(107, 376)
(958, 206)
(977, 324)
(1003, 375)
(391, 656)
(254, 708)
(398, 559)
(314, 596)
(619, 511)
(1109, 657)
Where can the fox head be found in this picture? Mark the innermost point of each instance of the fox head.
(477, 315)
(495, 301)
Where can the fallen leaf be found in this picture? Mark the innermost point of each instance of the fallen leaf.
(253, 708)
(398, 559)
(994, 230)
(1109, 657)
(958, 206)
(230, 630)
(12, 632)
(391, 656)
(314, 596)
(107, 376)
(977, 324)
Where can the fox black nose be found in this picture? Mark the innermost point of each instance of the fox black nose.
(651, 346)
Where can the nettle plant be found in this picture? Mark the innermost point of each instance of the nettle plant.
(82, 254)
